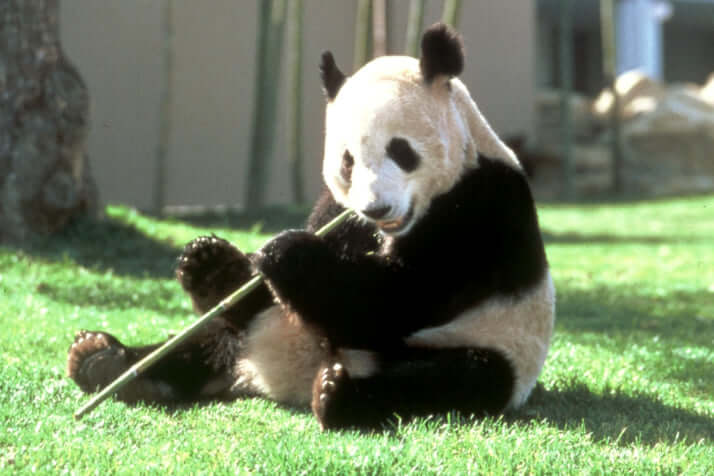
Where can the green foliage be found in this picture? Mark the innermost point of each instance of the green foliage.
(628, 386)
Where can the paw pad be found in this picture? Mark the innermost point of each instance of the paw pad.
(95, 359)
(327, 385)
(202, 261)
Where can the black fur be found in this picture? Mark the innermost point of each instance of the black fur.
(442, 52)
(414, 382)
(332, 77)
(402, 154)
(350, 240)
(346, 167)
(209, 269)
(97, 358)
(479, 240)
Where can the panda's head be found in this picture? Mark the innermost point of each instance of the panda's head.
(401, 131)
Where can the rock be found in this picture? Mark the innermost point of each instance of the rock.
(638, 94)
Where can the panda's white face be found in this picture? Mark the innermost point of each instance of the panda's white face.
(392, 143)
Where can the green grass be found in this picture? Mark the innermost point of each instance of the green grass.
(628, 386)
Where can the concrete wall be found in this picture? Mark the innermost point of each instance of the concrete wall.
(117, 47)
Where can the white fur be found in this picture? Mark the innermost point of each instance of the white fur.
(282, 358)
(387, 98)
(521, 328)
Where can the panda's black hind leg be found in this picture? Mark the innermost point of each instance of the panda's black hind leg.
(417, 382)
(210, 268)
(200, 368)
(96, 359)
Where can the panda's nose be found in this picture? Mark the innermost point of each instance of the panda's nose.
(375, 213)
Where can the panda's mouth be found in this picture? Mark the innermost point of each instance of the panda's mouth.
(395, 226)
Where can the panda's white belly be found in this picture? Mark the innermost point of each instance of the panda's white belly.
(520, 328)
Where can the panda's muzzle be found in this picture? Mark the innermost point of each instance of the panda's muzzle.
(394, 226)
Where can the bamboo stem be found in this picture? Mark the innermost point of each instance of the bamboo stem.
(137, 369)
(565, 52)
(295, 98)
(362, 29)
(165, 103)
(452, 12)
(414, 27)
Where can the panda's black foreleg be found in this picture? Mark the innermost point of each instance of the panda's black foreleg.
(416, 383)
(200, 368)
(209, 269)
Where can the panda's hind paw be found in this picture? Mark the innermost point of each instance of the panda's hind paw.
(330, 386)
(95, 359)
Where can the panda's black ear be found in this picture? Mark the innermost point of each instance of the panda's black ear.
(442, 52)
(332, 77)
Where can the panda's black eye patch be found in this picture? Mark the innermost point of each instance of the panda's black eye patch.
(346, 169)
(402, 154)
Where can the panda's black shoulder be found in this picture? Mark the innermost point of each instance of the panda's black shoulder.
(495, 195)
(487, 225)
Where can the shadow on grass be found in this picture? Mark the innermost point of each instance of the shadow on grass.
(627, 311)
(614, 417)
(106, 244)
(606, 239)
(113, 296)
(269, 219)
(110, 244)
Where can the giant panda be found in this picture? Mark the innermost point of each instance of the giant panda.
(435, 297)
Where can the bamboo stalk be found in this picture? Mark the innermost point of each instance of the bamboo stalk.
(565, 52)
(165, 103)
(609, 55)
(414, 27)
(269, 63)
(137, 369)
(452, 13)
(379, 28)
(362, 29)
(295, 99)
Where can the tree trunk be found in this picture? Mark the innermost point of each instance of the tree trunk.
(44, 170)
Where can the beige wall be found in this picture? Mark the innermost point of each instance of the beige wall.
(116, 44)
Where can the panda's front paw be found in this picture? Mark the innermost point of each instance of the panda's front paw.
(95, 359)
(291, 257)
(208, 262)
(209, 269)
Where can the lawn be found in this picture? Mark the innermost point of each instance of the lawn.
(628, 385)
